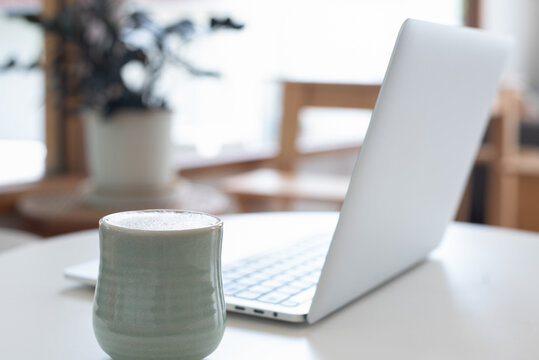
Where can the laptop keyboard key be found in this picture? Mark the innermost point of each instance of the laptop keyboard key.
(286, 278)
(272, 283)
(305, 295)
(302, 283)
(289, 289)
(247, 280)
(289, 303)
(260, 289)
(312, 277)
(249, 295)
(260, 275)
(231, 289)
(274, 297)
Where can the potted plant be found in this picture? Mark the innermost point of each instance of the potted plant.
(111, 62)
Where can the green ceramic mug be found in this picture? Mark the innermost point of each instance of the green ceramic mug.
(159, 294)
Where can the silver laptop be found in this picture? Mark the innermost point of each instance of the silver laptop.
(424, 133)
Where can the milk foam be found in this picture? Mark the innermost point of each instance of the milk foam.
(160, 220)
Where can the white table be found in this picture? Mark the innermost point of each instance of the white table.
(476, 297)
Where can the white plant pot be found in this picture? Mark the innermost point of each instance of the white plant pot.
(129, 152)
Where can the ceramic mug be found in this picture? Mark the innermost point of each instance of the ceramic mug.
(159, 293)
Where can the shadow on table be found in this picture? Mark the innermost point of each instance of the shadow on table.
(79, 292)
(426, 291)
(394, 321)
(382, 314)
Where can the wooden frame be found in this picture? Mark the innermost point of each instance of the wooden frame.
(279, 187)
(298, 95)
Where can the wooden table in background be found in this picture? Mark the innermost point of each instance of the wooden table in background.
(59, 211)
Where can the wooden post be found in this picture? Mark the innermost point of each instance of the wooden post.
(502, 205)
(292, 104)
(63, 129)
(53, 117)
(472, 13)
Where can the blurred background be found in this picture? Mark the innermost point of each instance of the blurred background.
(279, 128)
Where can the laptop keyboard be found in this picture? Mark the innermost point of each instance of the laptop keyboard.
(287, 277)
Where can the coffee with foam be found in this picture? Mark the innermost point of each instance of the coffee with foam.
(161, 220)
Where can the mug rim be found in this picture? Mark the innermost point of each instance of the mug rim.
(104, 221)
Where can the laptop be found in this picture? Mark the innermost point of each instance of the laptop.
(425, 131)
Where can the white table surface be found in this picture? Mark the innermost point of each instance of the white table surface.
(476, 297)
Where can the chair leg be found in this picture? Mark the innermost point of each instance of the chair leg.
(463, 212)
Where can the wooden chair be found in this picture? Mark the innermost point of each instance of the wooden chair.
(513, 181)
(278, 187)
(501, 146)
(507, 164)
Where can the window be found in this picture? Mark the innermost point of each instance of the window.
(322, 41)
(22, 148)
(339, 40)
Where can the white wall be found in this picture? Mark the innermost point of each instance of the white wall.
(519, 19)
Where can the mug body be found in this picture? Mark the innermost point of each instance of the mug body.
(159, 293)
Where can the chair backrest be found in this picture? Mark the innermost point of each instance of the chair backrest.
(297, 95)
